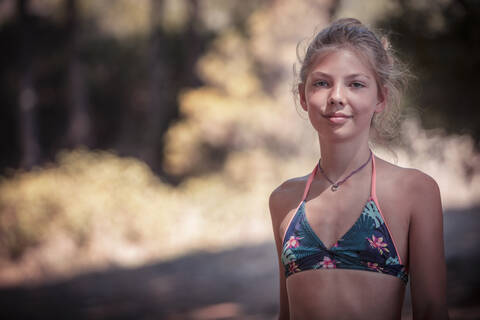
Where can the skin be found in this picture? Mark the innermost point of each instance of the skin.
(340, 83)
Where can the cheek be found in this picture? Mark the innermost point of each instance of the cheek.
(364, 104)
(315, 117)
(365, 116)
(316, 99)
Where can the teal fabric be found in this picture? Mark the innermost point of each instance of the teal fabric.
(367, 246)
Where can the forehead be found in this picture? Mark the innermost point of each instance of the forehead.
(342, 62)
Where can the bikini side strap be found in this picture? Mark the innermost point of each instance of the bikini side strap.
(373, 192)
(375, 199)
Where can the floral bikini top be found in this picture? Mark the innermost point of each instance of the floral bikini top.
(367, 245)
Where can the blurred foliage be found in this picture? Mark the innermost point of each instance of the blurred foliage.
(82, 192)
(90, 208)
(119, 43)
(441, 40)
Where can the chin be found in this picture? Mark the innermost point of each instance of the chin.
(338, 135)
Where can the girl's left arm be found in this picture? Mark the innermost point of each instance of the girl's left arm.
(426, 250)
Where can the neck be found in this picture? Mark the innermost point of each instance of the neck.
(341, 158)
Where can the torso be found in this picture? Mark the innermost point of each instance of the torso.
(343, 293)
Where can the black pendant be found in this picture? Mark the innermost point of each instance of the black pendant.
(334, 187)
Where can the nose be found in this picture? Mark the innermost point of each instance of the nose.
(337, 96)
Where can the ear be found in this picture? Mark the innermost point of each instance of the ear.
(301, 93)
(382, 99)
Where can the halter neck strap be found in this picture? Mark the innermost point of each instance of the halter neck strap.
(309, 182)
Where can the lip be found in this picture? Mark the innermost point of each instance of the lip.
(337, 117)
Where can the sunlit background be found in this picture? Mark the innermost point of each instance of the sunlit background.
(140, 141)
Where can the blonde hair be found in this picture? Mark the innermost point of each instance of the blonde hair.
(389, 71)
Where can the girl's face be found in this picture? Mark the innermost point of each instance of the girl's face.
(341, 95)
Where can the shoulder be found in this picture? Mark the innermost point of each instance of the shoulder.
(412, 186)
(406, 177)
(417, 183)
(284, 196)
(425, 197)
(421, 184)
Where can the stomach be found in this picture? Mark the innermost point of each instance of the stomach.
(344, 294)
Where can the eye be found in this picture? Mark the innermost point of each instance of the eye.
(357, 84)
(320, 83)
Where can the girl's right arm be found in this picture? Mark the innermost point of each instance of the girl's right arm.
(277, 215)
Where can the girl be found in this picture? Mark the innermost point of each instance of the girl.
(351, 233)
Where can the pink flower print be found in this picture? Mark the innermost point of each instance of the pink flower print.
(378, 244)
(293, 267)
(335, 245)
(328, 263)
(293, 242)
(374, 266)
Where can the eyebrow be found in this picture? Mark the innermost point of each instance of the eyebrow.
(354, 75)
(359, 75)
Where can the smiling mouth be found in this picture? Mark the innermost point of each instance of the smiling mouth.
(337, 117)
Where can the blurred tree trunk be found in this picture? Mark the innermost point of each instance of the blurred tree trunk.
(77, 97)
(158, 108)
(167, 80)
(27, 97)
(192, 46)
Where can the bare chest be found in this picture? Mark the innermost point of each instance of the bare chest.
(332, 214)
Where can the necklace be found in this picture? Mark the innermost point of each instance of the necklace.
(336, 185)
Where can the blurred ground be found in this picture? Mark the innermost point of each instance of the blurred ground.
(240, 283)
